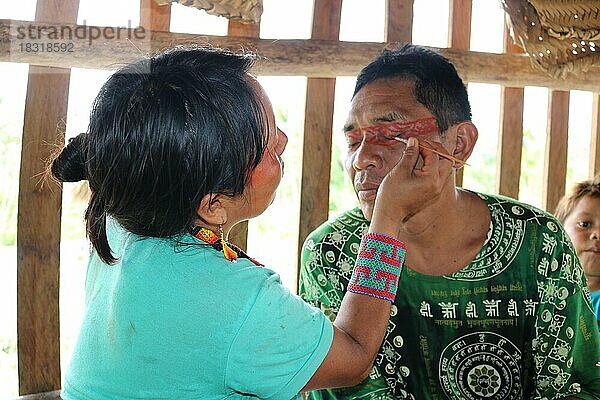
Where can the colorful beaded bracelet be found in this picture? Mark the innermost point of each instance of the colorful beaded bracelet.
(378, 267)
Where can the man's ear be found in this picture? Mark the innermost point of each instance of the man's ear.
(212, 210)
(466, 137)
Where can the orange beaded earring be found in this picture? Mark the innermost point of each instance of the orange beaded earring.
(228, 252)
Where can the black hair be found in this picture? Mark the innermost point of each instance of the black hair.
(163, 133)
(437, 84)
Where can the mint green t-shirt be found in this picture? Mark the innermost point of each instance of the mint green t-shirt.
(178, 321)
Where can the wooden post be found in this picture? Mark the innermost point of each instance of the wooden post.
(459, 28)
(398, 20)
(555, 160)
(459, 37)
(154, 17)
(38, 223)
(510, 138)
(318, 127)
(595, 140)
(237, 28)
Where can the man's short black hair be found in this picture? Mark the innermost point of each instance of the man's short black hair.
(437, 84)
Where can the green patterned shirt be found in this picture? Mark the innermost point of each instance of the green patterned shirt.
(516, 323)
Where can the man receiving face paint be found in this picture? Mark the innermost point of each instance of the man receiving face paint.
(493, 302)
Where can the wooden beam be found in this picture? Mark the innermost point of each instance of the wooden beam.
(555, 160)
(595, 140)
(39, 217)
(237, 28)
(312, 58)
(318, 128)
(510, 135)
(459, 37)
(459, 24)
(398, 20)
(154, 17)
(510, 141)
(54, 395)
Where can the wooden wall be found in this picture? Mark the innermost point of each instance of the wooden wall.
(321, 58)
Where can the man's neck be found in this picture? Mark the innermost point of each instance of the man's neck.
(437, 222)
(445, 237)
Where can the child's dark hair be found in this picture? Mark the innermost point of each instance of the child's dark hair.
(569, 201)
(163, 133)
(437, 84)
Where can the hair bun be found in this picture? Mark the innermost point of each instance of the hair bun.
(70, 165)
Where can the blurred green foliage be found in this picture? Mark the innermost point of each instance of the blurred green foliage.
(10, 156)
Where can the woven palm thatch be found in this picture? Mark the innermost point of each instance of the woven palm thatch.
(246, 10)
(560, 36)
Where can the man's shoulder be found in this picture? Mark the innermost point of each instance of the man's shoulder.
(516, 209)
(351, 220)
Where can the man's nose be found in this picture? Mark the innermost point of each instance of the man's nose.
(367, 155)
(595, 234)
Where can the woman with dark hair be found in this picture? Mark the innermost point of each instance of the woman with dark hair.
(180, 148)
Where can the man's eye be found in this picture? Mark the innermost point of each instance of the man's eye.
(353, 139)
(584, 224)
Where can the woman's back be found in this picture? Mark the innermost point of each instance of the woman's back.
(179, 321)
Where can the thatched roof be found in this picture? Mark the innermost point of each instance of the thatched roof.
(560, 36)
(246, 10)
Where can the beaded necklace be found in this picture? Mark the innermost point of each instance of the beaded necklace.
(229, 250)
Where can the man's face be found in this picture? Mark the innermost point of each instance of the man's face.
(380, 111)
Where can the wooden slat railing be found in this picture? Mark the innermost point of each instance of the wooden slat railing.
(318, 127)
(154, 17)
(595, 138)
(459, 37)
(398, 21)
(555, 159)
(39, 217)
(510, 139)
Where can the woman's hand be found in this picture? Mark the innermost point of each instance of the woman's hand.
(410, 186)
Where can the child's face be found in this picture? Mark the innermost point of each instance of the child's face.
(583, 226)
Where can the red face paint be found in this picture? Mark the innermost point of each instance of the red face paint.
(383, 134)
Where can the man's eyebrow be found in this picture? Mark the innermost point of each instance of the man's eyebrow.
(349, 127)
(389, 117)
